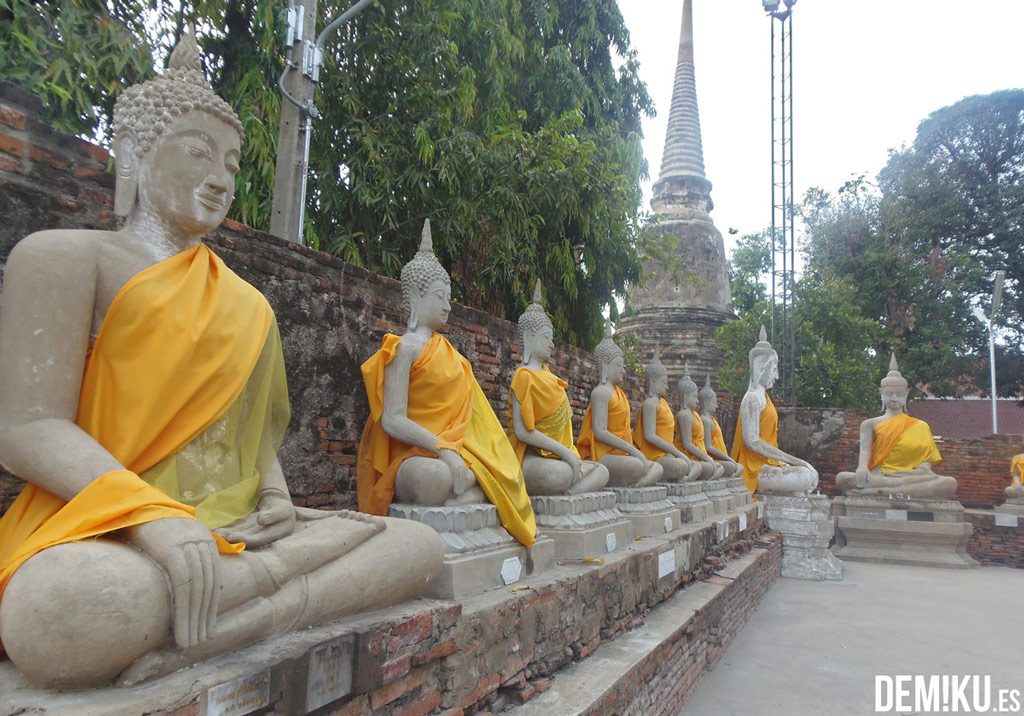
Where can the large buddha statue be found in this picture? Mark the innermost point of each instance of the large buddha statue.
(755, 446)
(432, 438)
(690, 433)
(896, 451)
(606, 434)
(714, 440)
(656, 427)
(143, 398)
(541, 419)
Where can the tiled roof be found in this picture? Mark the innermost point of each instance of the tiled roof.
(968, 417)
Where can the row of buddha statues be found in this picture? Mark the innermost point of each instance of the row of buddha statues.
(143, 401)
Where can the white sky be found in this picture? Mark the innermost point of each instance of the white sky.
(866, 72)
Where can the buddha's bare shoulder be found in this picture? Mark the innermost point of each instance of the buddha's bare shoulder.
(59, 246)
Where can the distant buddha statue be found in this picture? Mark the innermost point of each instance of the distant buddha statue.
(755, 446)
(1016, 490)
(656, 426)
(432, 438)
(541, 418)
(144, 400)
(714, 440)
(690, 433)
(896, 451)
(606, 434)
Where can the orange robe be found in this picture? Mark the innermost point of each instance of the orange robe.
(717, 437)
(176, 349)
(902, 443)
(1017, 466)
(543, 406)
(619, 419)
(751, 461)
(665, 428)
(696, 435)
(445, 399)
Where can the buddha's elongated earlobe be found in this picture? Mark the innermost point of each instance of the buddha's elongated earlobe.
(126, 186)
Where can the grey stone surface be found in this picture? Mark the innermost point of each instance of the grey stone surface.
(464, 528)
(738, 489)
(806, 526)
(648, 509)
(718, 492)
(582, 525)
(689, 497)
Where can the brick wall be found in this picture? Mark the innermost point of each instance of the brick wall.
(990, 544)
(332, 315)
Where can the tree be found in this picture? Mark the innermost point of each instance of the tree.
(513, 124)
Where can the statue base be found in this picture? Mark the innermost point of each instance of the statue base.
(584, 525)
(805, 523)
(737, 487)
(925, 533)
(479, 554)
(648, 509)
(689, 498)
(718, 492)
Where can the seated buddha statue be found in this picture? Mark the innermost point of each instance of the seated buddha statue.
(1016, 490)
(755, 446)
(143, 401)
(656, 427)
(714, 440)
(606, 432)
(432, 438)
(690, 430)
(540, 427)
(896, 451)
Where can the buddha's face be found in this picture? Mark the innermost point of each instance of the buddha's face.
(434, 305)
(894, 399)
(690, 399)
(770, 371)
(187, 179)
(614, 371)
(659, 386)
(710, 406)
(539, 344)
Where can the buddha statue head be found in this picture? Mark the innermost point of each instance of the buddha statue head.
(894, 388)
(177, 147)
(657, 375)
(708, 398)
(426, 286)
(609, 356)
(687, 388)
(764, 362)
(536, 331)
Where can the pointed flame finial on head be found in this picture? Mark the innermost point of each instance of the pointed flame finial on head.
(609, 328)
(538, 298)
(707, 393)
(655, 370)
(894, 379)
(763, 335)
(686, 384)
(426, 241)
(707, 380)
(186, 53)
(892, 362)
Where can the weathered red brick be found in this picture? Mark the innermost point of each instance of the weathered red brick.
(422, 705)
(397, 689)
(12, 145)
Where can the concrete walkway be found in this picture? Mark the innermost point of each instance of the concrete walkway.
(814, 648)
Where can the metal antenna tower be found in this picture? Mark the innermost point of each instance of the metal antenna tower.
(783, 319)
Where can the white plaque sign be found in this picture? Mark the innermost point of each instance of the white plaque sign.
(330, 673)
(900, 515)
(610, 542)
(1006, 520)
(668, 524)
(666, 563)
(240, 696)
(743, 521)
(760, 510)
(722, 529)
(511, 570)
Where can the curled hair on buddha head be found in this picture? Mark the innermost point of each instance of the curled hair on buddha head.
(707, 393)
(894, 379)
(686, 384)
(607, 350)
(421, 273)
(762, 351)
(534, 318)
(655, 370)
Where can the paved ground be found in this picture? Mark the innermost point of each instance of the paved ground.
(814, 648)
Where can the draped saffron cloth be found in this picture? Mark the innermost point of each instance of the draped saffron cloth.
(717, 437)
(665, 428)
(543, 406)
(696, 435)
(751, 461)
(619, 419)
(1017, 466)
(445, 399)
(176, 353)
(902, 443)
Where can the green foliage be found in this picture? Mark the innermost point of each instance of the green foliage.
(507, 122)
(751, 259)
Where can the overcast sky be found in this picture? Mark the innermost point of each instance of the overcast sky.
(865, 74)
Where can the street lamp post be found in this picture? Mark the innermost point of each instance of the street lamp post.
(997, 298)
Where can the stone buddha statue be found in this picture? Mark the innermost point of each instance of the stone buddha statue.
(714, 440)
(755, 446)
(144, 401)
(896, 451)
(690, 436)
(656, 427)
(606, 434)
(432, 438)
(1016, 490)
(541, 418)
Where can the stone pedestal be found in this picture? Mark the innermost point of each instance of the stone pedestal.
(479, 554)
(648, 509)
(805, 523)
(690, 499)
(1010, 513)
(738, 489)
(926, 533)
(718, 492)
(587, 525)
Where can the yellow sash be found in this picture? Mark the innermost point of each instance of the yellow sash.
(1017, 466)
(696, 435)
(543, 406)
(717, 438)
(902, 443)
(175, 351)
(619, 418)
(665, 428)
(751, 461)
(445, 399)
